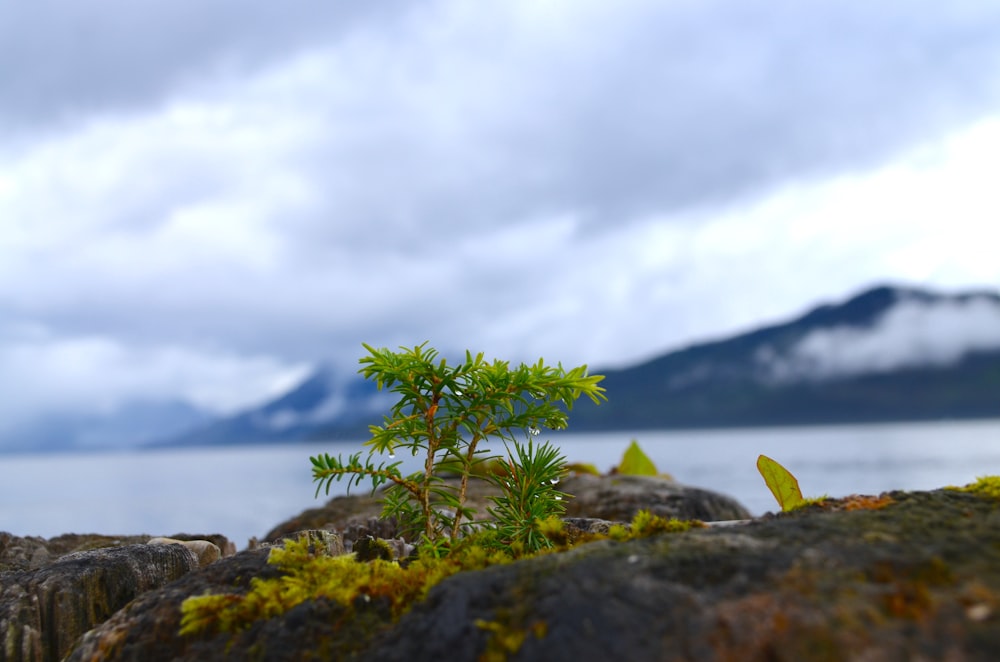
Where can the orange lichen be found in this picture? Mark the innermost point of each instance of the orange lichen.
(863, 502)
(910, 600)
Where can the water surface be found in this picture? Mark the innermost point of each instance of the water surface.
(245, 491)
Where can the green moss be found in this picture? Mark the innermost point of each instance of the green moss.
(308, 575)
(370, 549)
(371, 577)
(619, 532)
(808, 501)
(646, 524)
(987, 486)
(554, 530)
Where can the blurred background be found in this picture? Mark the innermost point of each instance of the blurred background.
(750, 215)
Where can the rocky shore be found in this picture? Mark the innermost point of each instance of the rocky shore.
(899, 576)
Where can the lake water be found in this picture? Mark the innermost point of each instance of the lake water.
(243, 492)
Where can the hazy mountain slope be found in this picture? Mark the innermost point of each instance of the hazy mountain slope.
(886, 354)
(134, 424)
(341, 405)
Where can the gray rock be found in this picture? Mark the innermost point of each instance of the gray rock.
(581, 525)
(332, 516)
(43, 612)
(18, 553)
(203, 550)
(31, 553)
(332, 543)
(618, 497)
(325, 542)
(358, 515)
(225, 545)
(917, 580)
(914, 576)
(147, 629)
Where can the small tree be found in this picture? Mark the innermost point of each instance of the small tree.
(448, 414)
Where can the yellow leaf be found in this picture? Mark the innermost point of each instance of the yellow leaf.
(636, 463)
(582, 468)
(781, 482)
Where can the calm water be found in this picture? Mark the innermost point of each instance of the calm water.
(243, 492)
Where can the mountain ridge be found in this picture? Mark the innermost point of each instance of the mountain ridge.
(886, 353)
(323, 396)
(773, 375)
(739, 381)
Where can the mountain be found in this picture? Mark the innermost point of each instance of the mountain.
(326, 405)
(136, 423)
(887, 354)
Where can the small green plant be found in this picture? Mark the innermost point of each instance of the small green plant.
(783, 485)
(448, 414)
(528, 496)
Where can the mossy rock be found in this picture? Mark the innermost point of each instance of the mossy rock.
(899, 576)
(613, 497)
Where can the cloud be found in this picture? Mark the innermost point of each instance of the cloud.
(913, 333)
(335, 405)
(233, 192)
(494, 115)
(96, 375)
(75, 61)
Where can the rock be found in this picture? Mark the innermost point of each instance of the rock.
(905, 582)
(225, 545)
(333, 516)
(391, 549)
(619, 497)
(358, 528)
(203, 550)
(147, 629)
(330, 543)
(580, 525)
(615, 497)
(912, 576)
(44, 611)
(31, 553)
(18, 553)
(357, 515)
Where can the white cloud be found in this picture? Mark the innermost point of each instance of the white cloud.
(913, 333)
(98, 374)
(333, 406)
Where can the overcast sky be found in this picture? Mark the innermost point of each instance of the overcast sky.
(201, 199)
